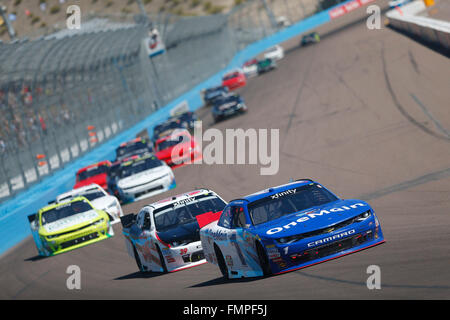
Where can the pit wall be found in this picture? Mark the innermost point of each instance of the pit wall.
(406, 19)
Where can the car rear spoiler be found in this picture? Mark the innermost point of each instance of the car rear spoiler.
(31, 217)
(128, 220)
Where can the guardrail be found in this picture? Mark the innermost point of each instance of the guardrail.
(432, 31)
(13, 213)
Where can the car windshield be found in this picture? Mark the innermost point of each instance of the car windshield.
(91, 172)
(230, 76)
(227, 99)
(139, 166)
(287, 202)
(174, 215)
(167, 126)
(172, 141)
(132, 149)
(273, 49)
(64, 211)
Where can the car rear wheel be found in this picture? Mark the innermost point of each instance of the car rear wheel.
(221, 261)
(263, 260)
(161, 258)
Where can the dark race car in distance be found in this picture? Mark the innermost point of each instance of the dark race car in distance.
(187, 119)
(212, 94)
(310, 38)
(166, 128)
(266, 65)
(138, 146)
(228, 106)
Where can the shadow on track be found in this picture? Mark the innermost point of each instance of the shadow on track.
(140, 275)
(221, 280)
(35, 258)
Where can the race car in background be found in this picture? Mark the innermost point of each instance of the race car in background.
(187, 149)
(166, 128)
(266, 65)
(234, 79)
(98, 198)
(95, 173)
(65, 226)
(212, 94)
(286, 228)
(310, 38)
(164, 236)
(144, 177)
(138, 146)
(186, 119)
(275, 53)
(228, 106)
(250, 68)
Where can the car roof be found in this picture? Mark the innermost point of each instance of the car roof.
(79, 190)
(105, 162)
(132, 142)
(273, 190)
(179, 197)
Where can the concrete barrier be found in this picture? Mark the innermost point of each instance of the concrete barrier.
(432, 31)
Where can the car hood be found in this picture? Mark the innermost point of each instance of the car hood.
(143, 177)
(187, 231)
(311, 219)
(103, 202)
(68, 222)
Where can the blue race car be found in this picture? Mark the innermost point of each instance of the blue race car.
(286, 228)
(211, 95)
(227, 106)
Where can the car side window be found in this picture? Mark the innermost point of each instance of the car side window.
(147, 222)
(225, 218)
(238, 217)
(140, 218)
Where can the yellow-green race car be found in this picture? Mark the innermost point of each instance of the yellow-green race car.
(62, 227)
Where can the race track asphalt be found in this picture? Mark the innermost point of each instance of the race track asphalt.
(364, 112)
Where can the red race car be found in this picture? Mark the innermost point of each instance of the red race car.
(234, 79)
(95, 173)
(177, 149)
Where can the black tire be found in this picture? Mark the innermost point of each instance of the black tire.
(263, 260)
(138, 260)
(221, 261)
(161, 258)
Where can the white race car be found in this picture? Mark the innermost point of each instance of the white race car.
(275, 53)
(144, 177)
(98, 198)
(250, 68)
(164, 236)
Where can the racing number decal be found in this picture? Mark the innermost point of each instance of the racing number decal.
(183, 251)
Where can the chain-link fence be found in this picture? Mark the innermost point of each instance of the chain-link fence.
(63, 94)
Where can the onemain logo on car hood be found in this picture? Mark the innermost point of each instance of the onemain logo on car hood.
(71, 221)
(316, 216)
